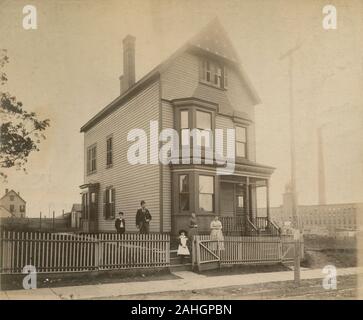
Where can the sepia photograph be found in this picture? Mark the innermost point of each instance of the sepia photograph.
(181, 150)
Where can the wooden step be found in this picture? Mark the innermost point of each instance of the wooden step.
(180, 267)
(176, 260)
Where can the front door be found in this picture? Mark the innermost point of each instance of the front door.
(240, 200)
(89, 211)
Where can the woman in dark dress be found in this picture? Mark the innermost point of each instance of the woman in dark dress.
(193, 226)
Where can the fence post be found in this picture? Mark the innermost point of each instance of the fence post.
(198, 251)
(97, 253)
(297, 258)
(168, 250)
(40, 220)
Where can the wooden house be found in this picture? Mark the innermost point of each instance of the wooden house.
(202, 85)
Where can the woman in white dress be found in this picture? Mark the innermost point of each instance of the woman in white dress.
(216, 233)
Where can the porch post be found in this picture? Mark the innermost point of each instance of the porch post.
(268, 199)
(248, 197)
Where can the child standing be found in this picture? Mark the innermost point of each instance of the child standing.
(183, 250)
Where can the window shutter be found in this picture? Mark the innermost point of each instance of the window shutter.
(88, 160)
(113, 196)
(105, 204)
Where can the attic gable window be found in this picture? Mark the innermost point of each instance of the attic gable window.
(214, 74)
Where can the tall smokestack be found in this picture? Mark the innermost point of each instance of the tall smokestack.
(128, 78)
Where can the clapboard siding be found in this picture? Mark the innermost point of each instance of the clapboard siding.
(238, 94)
(167, 122)
(181, 78)
(131, 182)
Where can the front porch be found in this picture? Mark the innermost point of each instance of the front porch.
(240, 200)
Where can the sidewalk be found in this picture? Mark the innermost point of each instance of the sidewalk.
(188, 281)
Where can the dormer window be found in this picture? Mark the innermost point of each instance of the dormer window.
(214, 73)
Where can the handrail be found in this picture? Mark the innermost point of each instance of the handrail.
(251, 227)
(274, 228)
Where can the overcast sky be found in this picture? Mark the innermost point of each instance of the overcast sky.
(68, 69)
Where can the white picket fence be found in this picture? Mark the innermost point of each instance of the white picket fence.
(54, 252)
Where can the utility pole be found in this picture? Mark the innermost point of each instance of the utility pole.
(295, 220)
(289, 56)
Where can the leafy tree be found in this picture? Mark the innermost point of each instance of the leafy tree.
(21, 131)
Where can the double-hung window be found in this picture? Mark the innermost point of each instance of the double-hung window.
(184, 127)
(183, 192)
(214, 73)
(91, 159)
(241, 142)
(206, 193)
(204, 124)
(109, 203)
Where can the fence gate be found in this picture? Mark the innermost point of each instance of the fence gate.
(206, 253)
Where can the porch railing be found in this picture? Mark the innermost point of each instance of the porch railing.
(267, 226)
(233, 226)
(54, 252)
(242, 225)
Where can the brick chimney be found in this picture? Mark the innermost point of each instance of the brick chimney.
(6, 191)
(128, 78)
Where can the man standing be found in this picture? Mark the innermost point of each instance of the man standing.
(143, 218)
(120, 223)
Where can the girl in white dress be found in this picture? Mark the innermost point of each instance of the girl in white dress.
(216, 233)
(183, 250)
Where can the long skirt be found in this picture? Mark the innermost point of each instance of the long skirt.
(192, 232)
(144, 228)
(217, 235)
(183, 251)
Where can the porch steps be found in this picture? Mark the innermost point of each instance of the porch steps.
(175, 264)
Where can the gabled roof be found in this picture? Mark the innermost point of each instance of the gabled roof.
(15, 193)
(212, 38)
